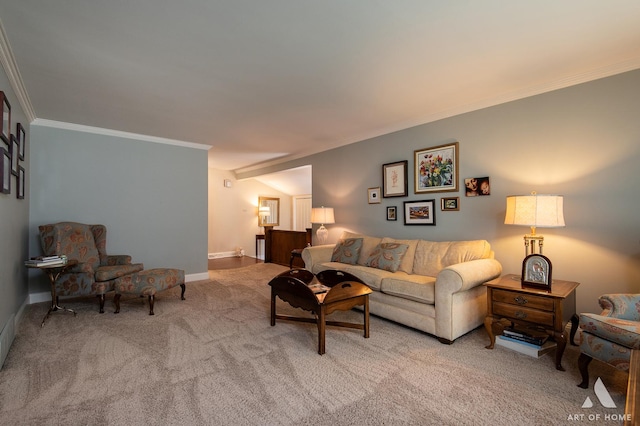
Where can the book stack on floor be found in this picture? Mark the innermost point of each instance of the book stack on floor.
(41, 261)
(532, 342)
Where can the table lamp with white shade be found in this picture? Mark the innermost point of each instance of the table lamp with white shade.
(322, 215)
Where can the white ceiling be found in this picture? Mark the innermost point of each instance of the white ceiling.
(265, 81)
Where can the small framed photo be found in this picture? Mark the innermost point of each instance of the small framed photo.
(21, 177)
(392, 213)
(374, 195)
(22, 140)
(450, 204)
(479, 186)
(536, 272)
(5, 125)
(394, 179)
(5, 171)
(420, 212)
(14, 150)
(436, 169)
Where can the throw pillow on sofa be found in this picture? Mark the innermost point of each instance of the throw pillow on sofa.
(387, 256)
(347, 251)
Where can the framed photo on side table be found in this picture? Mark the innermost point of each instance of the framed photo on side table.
(394, 179)
(536, 272)
(436, 169)
(420, 212)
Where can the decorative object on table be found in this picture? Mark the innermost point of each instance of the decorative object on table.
(14, 149)
(22, 140)
(394, 179)
(392, 213)
(477, 186)
(436, 169)
(536, 272)
(322, 215)
(373, 195)
(420, 212)
(5, 124)
(273, 218)
(450, 204)
(5, 171)
(543, 211)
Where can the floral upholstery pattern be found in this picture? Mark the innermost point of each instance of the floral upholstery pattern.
(610, 336)
(347, 251)
(95, 271)
(148, 283)
(387, 256)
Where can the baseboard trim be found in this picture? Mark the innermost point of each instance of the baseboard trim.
(223, 254)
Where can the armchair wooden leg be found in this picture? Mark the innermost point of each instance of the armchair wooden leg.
(151, 300)
(583, 366)
(116, 300)
(184, 287)
(101, 298)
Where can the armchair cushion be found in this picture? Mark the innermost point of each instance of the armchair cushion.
(620, 331)
(106, 273)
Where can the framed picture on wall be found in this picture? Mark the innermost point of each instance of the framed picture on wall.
(436, 169)
(14, 148)
(450, 204)
(420, 212)
(22, 140)
(394, 179)
(392, 213)
(373, 195)
(21, 177)
(5, 124)
(5, 171)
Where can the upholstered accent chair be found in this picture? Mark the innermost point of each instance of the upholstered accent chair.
(95, 271)
(611, 336)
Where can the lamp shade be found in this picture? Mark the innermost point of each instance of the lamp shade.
(544, 211)
(322, 215)
(264, 211)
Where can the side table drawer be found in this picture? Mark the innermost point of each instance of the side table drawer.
(525, 314)
(524, 300)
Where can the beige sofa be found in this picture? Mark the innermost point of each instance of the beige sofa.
(436, 288)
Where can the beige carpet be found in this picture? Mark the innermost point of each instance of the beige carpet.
(213, 359)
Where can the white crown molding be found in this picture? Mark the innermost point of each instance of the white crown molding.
(13, 74)
(116, 133)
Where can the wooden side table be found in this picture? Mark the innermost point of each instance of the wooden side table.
(550, 311)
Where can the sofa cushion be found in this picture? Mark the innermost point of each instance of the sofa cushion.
(433, 256)
(368, 244)
(419, 288)
(372, 277)
(347, 251)
(387, 256)
(407, 261)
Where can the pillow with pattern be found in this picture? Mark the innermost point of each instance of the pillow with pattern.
(387, 256)
(347, 251)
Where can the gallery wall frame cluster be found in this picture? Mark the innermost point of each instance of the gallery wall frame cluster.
(435, 170)
(12, 151)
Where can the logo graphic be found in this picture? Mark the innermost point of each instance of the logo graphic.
(603, 396)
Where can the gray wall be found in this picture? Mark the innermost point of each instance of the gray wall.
(14, 225)
(582, 142)
(151, 197)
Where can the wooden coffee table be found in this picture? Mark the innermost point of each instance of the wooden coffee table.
(342, 296)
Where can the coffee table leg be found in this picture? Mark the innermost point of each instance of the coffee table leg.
(366, 316)
(273, 307)
(321, 329)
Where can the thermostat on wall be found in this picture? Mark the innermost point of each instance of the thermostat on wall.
(227, 183)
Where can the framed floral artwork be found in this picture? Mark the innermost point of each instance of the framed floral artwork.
(394, 179)
(420, 212)
(436, 169)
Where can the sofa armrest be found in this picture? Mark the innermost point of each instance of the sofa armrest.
(466, 275)
(313, 255)
(623, 306)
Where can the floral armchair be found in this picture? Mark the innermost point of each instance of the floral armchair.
(611, 336)
(95, 271)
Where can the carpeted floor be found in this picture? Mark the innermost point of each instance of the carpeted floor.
(213, 359)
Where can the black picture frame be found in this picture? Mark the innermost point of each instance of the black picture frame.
(536, 272)
(420, 212)
(5, 123)
(5, 171)
(21, 135)
(392, 213)
(21, 183)
(14, 151)
(395, 182)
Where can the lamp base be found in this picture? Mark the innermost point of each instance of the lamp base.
(530, 242)
(322, 233)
